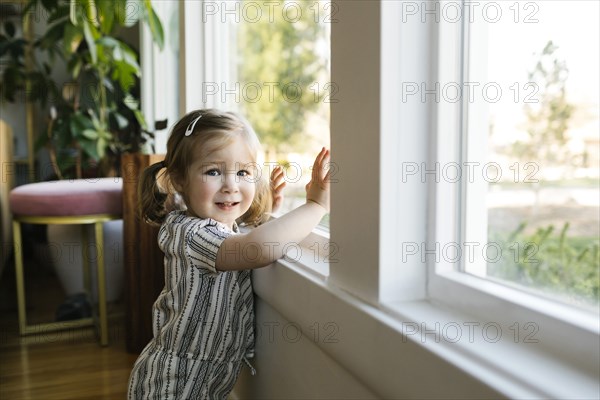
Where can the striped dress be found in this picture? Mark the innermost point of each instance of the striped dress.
(203, 320)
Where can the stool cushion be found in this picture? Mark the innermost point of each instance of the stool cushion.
(68, 197)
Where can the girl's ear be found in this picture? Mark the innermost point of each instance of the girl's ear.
(177, 184)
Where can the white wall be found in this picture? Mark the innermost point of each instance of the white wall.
(369, 356)
(290, 365)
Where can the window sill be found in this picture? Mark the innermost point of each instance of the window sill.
(313, 254)
(570, 334)
(512, 297)
(508, 358)
(413, 349)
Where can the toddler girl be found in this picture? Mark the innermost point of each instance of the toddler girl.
(204, 317)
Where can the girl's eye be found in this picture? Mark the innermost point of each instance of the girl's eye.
(213, 172)
(243, 173)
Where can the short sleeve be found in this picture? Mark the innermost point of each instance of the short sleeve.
(203, 242)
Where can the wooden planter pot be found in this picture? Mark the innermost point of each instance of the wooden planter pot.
(144, 272)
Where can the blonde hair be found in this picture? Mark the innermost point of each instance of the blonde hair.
(214, 129)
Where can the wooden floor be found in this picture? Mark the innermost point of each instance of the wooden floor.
(60, 365)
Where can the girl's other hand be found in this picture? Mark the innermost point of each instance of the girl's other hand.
(277, 186)
(317, 190)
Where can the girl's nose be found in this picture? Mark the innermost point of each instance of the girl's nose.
(230, 183)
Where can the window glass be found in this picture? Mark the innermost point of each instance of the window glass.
(533, 132)
(282, 85)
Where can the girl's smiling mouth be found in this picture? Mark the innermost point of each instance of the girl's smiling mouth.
(227, 205)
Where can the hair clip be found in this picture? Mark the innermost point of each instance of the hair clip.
(191, 126)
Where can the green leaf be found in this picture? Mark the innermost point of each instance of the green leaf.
(74, 66)
(89, 38)
(155, 25)
(131, 103)
(90, 134)
(122, 122)
(108, 84)
(106, 15)
(103, 59)
(62, 133)
(101, 147)
(91, 12)
(119, 11)
(4, 45)
(90, 148)
(52, 35)
(30, 5)
(107, 136)
(72, 37)
(60, 16)
(108, 41)
(48, 4)
(79, 123)
(124, 74)
(95, 121)
(73, 12)
(140, 119)
(117, 53)
(130, 57)
(9, 28)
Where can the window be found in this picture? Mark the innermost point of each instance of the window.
(387, 133)
(486, 78)
(531, 200)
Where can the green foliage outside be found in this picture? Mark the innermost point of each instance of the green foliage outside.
(280, 56)
(551, 262)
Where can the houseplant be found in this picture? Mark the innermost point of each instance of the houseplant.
(94, 117)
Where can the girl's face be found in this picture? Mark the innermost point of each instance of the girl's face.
(221, 185)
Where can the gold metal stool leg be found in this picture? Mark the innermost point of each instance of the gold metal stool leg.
(99, 231)
(85, 253)
(19, 274)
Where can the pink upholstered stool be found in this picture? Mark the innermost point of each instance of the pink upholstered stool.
(67, 202)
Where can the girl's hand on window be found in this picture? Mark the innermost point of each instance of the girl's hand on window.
(317, 190)
(277, 186)
(293, 227)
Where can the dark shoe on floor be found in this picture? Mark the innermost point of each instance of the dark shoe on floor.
(74, 307)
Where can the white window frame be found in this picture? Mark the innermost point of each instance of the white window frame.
(160, 71)
(206, 59)
(568, 332)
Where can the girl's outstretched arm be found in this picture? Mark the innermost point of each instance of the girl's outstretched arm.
(265, 244)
